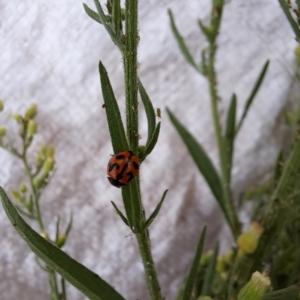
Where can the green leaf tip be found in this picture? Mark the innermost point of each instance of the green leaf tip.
(229, 136)
(124, 219)
(82, 278)
(193, 272)
(92, 14)
(156, 211)
(201, 159)
(150, 113)
(115, 125)
(253, 93)
(210, 272)
(182, 46)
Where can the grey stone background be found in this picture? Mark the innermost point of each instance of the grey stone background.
(49, 56)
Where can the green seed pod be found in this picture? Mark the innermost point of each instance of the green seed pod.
(61, 239)
(31, 112)
(17, 196)
(29, 205)
(50, 151)
(23, 188)
(31, 129)
(38, 183)
(256, 288)
(48, 165)
(1, 105)
(2, 131)
(43, 150)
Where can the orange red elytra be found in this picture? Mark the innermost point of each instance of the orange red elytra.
(122, 168)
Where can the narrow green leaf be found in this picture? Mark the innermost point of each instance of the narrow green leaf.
(181, 43)
(92, 14)
(69, 227)
(150, 113)
(115, 125)
(57, 229)
(82, 278)
(207, 31)
(284, 294)
(156, 211)
(193, 272)
(290, 18)
(116, 18)
(202, 161)
(298, 7)
(133, 205)
(278, 167)
(288, 178)
(120, 213)
(229, 136)
(107, 25)
(210, 272)
(63, 289)
(253, 94)
(152, 142)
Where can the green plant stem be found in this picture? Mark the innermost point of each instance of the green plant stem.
(54, 295)
(131, 90)
(151, 276)
(228, 203)
(33, 189)
(130, 69)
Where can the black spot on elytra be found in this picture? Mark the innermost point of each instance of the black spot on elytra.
(113, 166)
(115, 182)
(119, 156)
(130, 176)
(135, 165)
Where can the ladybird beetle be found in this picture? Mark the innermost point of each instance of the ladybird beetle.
(122, 167)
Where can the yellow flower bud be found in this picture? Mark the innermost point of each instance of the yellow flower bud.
(297, 51)
(256, 288)
(29, 206)
(1, 105)
(31, 128)
(43, 150)
(17, 195)
(31, 112)
(2, 131)
(50, 151)
(23, 188)
(247, 241)
(44, 234)
(61, 239)
(38, 183)
(48, 165)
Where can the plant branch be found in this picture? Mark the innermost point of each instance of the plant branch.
(35, 193)
(130, 69)
(211, 76)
